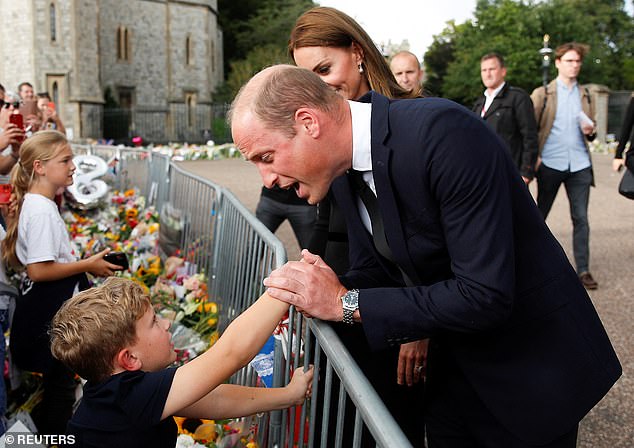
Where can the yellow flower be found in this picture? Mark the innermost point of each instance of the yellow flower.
(129, 193)
(213, 338)
(211, 307)
(153, 227)
(131, 213)
(206, 432)
(154, 261)
(146, 290)
(212, 321)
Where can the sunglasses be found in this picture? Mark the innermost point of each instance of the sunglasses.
(6, 105)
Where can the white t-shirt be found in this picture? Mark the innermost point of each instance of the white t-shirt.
(42, 234)
(3, 275)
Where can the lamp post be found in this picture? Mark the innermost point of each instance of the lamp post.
(545, 52)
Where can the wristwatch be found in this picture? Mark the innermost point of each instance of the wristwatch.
(350, 302)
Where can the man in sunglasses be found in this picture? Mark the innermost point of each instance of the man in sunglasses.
(10, 135)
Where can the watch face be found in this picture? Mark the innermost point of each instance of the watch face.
(351, 300)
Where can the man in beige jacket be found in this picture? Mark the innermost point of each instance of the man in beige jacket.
(564, 115)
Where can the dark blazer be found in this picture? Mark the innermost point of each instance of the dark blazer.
(497, 293)
(512, 117)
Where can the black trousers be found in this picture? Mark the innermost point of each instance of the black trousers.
(457, 418)
(52, 414)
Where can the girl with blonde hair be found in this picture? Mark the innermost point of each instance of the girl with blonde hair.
(38, 241)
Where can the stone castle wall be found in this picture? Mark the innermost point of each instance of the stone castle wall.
(83, 62)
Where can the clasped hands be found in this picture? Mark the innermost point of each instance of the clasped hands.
(315, 291)
(310, 285)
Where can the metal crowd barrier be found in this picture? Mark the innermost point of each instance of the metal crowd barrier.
(236, 251)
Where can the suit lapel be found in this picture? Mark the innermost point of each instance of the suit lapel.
(381, 162)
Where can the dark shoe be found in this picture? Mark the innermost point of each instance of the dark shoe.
(587, 280)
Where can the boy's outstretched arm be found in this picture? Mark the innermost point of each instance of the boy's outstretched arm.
(240, 342)
(231, 401)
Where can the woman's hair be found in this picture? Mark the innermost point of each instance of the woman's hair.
(42, 146)
(92, 327)
(329, 27)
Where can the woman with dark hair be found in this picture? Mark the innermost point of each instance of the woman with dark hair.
(335, 47)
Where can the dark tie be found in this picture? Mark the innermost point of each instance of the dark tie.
(372, 206)
(378, 229)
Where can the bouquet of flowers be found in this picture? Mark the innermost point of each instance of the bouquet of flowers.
(200, 433)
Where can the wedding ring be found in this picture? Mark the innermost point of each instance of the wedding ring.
(418, 369)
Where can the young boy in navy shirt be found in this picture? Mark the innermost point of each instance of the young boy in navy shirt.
(111, 336)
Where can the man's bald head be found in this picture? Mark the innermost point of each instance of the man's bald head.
(406, 69)
(276, 93)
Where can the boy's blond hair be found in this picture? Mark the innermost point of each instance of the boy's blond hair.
(92, 327)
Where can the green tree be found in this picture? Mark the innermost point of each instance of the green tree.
(232, 17)
(258, 58)
(515, 30)
(504, 26)
(604, 26)
(256, 37)
(437, 59)
(271, 25)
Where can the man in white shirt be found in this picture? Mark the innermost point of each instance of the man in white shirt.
(509, 111)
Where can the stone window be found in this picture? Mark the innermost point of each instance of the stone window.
(123, 44)
(55, 93)
(189, 51)
(190, 103)
(213, 56)
(52, 22)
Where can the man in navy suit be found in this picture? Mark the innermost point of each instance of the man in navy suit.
(518, 354)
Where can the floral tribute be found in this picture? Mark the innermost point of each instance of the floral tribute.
(176, 289)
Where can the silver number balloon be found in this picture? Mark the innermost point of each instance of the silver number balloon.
(88, 191)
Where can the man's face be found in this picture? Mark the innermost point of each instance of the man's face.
(407, 72)
(492, 74)
(297, 163)
(26, 93)
(569, 64)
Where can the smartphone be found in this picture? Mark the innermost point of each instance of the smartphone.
(51, 106)
(17, 120)
(118, 258)
(5, 193)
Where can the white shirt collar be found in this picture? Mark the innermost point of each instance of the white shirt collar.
(361, 151)
(361, 135)
(495, 92)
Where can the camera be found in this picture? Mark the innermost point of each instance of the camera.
(118, 258)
